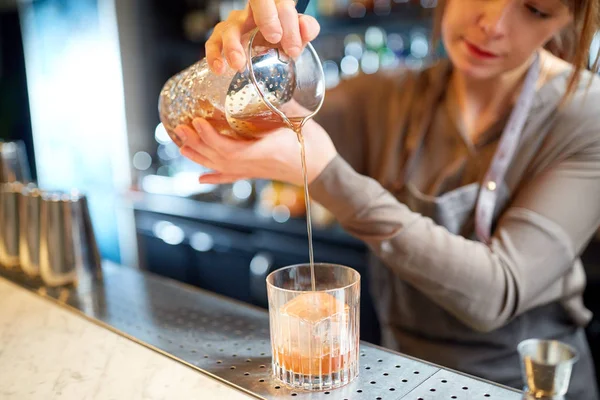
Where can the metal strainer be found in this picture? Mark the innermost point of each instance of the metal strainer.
(261, 89)
(270, 82)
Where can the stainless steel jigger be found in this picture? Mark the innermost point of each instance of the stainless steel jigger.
(68, 249)
(29, 230)
(546, 368)
(9, 224)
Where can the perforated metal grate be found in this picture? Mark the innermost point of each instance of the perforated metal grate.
(230, 340)
(449, 385)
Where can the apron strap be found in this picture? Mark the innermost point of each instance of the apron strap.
(505, 152)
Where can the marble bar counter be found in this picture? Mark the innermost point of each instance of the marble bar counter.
(134, 335)
(48, 352)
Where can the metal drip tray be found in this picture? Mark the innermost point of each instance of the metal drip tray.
(230, 340)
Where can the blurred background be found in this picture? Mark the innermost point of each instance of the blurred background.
(79, 86)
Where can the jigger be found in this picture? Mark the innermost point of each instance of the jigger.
(9, 224)
(546, 367)
(68, 249)
(30, 202)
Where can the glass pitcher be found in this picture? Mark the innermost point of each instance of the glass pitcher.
(272, 91)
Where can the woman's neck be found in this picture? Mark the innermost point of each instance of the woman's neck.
(481, 102)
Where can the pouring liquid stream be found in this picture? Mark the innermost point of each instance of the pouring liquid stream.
(296, 125)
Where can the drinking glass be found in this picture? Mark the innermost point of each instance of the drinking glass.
(314, 334)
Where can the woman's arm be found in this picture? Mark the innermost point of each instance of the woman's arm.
(535, 242)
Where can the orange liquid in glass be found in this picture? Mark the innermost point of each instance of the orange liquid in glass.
(319, 355)
(323, 365)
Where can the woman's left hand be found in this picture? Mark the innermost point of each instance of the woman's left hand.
(275, 156)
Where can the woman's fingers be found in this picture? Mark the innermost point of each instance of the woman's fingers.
(288, 17)
(198, 158)
(214, 49)
(220, 178)
(233, 159)
(222, 145)
(185, 133)
(267, 19)
(309, 28)
(232, 46)
(277, 20)
(195, 142)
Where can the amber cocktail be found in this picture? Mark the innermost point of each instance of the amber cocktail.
(314, 334)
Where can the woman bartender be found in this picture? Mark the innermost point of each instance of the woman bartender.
(475, 182)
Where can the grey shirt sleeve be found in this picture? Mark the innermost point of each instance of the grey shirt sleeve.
(346, 118)
(534, 244)
(344, 125)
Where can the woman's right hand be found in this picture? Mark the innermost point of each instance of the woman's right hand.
(277, 20)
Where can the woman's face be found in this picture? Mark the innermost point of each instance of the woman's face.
(485, 38)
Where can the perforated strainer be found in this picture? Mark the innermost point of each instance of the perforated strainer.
(275, 86)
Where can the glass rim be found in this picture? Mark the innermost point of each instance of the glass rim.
(573, 350)
(320, 264)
